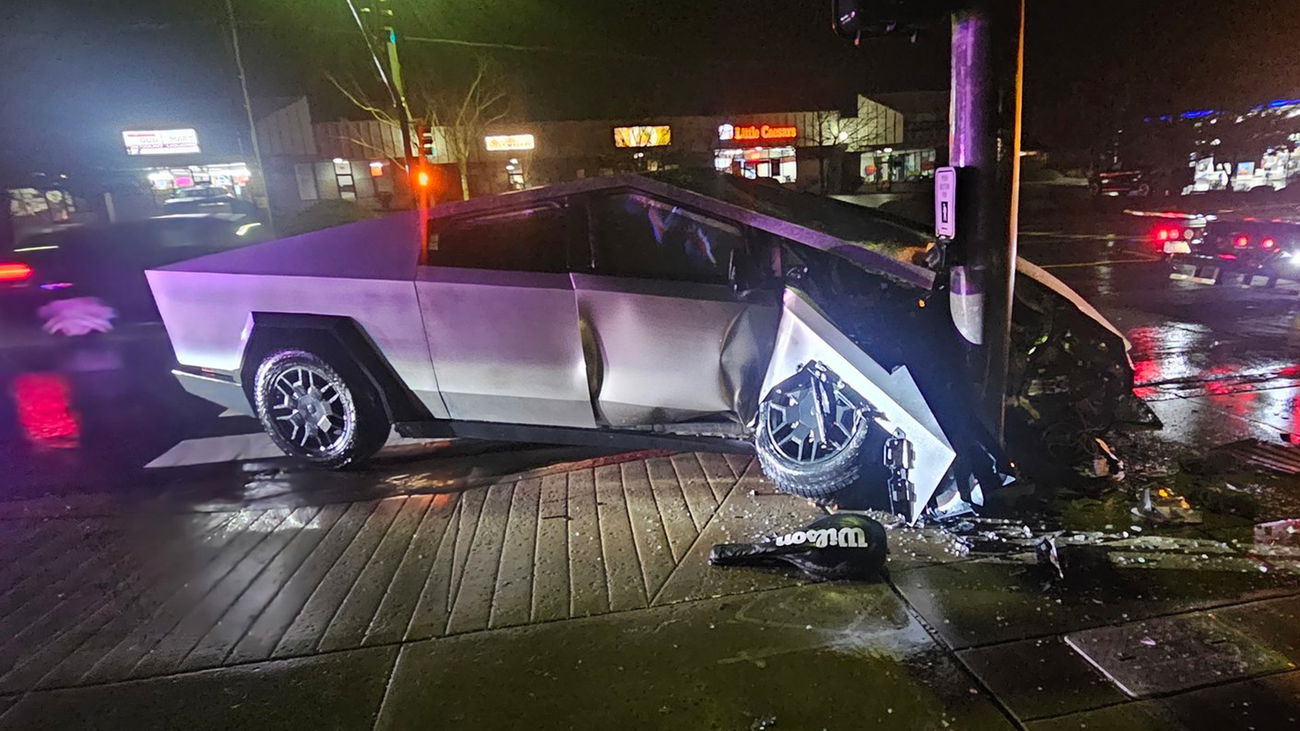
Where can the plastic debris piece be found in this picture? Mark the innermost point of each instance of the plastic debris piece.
(1105, 463)
(1162, 505)
(839, 546)
(1048, 556)
(1284, 532)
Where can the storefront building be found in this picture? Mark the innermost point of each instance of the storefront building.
(180, 169)
(1216, 150)
(359, 161)
(920, 149)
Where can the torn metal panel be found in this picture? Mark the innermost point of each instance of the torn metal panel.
(805, 335)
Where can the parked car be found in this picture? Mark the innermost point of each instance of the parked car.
(676, 310)
(108, 261)
(1140, 182)
(1259, 251)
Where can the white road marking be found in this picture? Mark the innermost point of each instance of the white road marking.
(1062, 236)
(211, 450)
(1099, 263)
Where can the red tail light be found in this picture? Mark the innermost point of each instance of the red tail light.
(1268, 243)
(1241, 242)
(1167, 233)
(15, 272)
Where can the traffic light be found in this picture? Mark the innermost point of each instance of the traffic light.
(422, 178)
(854, 19)
(426, 145)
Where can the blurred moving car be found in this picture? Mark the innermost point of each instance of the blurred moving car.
(108, 261)
(210, 199)
(1209, 250)
(686, 310)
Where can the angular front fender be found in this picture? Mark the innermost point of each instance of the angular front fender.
(805, 334)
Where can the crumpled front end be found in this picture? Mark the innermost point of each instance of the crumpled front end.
(815, 368)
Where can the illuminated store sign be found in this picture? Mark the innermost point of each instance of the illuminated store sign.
(504, 143)
(645, 135)
(161, 142)
(755, 132)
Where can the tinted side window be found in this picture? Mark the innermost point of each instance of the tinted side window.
(532, 240)
(636, 236)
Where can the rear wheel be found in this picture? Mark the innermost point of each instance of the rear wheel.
(322, 412)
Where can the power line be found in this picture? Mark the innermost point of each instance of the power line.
(533, 49)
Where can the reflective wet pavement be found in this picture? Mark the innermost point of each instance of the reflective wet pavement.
(494, 586)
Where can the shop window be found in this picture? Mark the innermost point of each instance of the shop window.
(306, 181)
(326, 183)
(344, 180)
(533, 240)
(636, 236)
(362, 181)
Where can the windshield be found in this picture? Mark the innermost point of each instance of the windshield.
(876, 230)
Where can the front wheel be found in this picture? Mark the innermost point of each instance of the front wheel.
(811, 433)
(312, 411)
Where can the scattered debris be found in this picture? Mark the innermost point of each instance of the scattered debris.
(839, 546)
(1225, 498)
(1279, 533)
(1164, 506)
(1105, 463)
(763, 722)
(1048, 556)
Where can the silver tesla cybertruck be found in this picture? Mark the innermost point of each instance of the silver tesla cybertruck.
(679, 310)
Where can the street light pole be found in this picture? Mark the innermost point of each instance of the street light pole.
(395, 73)
(987, 66)
(392, 76)
(248, 112)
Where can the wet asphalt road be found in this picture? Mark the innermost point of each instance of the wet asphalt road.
(224, 587)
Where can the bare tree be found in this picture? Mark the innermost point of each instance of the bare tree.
(384, 115)
(456, 116)
(461, 116)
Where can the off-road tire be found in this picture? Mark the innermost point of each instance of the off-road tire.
(366, 423)
(814, 480)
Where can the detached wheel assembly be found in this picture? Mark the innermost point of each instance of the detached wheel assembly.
(811, 432)
(313, 412)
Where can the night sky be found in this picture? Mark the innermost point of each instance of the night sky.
(73, 72)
